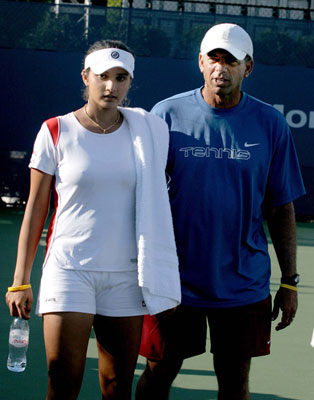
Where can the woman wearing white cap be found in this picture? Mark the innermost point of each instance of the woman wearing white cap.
(111, 254)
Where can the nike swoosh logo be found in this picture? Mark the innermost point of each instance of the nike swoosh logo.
(246, 144)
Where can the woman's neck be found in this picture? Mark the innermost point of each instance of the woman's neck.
(99, 120)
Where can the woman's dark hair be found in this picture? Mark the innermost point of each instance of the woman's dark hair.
(106, 44)
(109, 44)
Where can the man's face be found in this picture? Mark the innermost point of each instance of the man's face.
(223, 74)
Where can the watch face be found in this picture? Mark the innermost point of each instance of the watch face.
(291, 280)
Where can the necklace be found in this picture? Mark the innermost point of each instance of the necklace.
(99, 126)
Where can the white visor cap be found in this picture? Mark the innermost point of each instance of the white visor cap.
(102, 60)
(229, 37)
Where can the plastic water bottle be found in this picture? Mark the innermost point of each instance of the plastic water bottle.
(18, 344)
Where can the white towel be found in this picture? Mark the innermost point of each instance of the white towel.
(158, 271)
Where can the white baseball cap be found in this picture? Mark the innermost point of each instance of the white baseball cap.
(102, 60)
(229, 37)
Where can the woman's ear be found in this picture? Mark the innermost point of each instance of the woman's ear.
(84, 75)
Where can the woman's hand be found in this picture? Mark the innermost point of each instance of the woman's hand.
(20, 303)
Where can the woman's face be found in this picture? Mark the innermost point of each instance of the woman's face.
(108, 89)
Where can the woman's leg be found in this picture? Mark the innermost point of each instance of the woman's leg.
(66, 340)
(118, 341)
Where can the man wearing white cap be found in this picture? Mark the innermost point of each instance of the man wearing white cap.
(231, 163)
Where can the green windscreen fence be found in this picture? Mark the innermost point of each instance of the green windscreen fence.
(148, 31)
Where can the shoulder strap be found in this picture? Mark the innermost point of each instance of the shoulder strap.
(54, 128)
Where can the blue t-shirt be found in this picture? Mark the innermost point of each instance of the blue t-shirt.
(225, 166)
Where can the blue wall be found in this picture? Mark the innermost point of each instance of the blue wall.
(37, 85)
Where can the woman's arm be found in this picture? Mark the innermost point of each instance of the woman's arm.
(36, 212)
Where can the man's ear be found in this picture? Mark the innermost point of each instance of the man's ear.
(249, 68)
(201, 62)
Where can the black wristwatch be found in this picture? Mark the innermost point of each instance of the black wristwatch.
(291, 280)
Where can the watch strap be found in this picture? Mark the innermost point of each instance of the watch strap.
(291, 280)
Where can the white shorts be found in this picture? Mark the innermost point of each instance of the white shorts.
(114, 294)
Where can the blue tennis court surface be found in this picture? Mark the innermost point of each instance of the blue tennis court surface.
(287, 374)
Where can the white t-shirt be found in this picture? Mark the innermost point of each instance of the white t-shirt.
(95, 179)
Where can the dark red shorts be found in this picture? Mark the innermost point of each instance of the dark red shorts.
(240, 331)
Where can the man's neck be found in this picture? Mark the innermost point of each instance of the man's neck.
(221, 101)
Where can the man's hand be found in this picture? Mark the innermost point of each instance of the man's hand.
(286, 300)
(166, 313)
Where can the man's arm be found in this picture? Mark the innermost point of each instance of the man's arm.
(282, 229)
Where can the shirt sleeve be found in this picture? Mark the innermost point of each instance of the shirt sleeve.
(159, 110)
(285, 182)
(44, 156)
(160, 131)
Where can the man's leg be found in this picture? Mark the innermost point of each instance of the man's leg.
(166, 342)
(118, 342)
(156, 380)
(233, 377)
(237, 335)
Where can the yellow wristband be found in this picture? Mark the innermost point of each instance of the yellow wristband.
(284, 285)
(18, 288)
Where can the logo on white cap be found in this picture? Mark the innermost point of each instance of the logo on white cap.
(229, 37)
(115, 54)
(102, 60)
